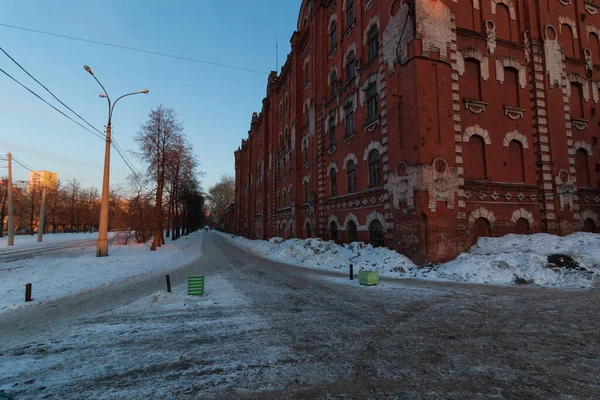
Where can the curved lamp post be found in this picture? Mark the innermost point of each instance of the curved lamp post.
(102, 243)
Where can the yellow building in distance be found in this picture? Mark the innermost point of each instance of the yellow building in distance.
(39, 179)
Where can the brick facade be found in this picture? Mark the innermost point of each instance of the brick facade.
(422, 124)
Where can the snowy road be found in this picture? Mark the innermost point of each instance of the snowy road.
(268, 330)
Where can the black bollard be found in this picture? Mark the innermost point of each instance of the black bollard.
(351, 272)
(168, 284)
(28, 292)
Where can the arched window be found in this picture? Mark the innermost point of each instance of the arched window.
(475, 158)
(284, 198)
(305, 184)
(333, 232)
(352, 232)
(349, 12)
(306, 73)
(470, 83)
(511, 82)
(307, 229)
(350, 67)
(376, 234)
(373, 42)
(333, 182)
(589, 226)
(372, 108)
(567, 41)
(515, 161)
(351, 175)
(576, 100)
(595, 47)
(332, 35)
(503, 30)
(465, 15)
(331, 128)
(481, 228)
(334, 84)
(522, 227)
(349, 120)
(582, 168)
(374, 168)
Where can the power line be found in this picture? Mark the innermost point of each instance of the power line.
(156, 53)
(42, 99)
(48, 90)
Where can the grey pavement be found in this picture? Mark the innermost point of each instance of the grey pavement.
(270, 330)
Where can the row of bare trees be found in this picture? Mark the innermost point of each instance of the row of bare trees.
(170, 181)
(68, 206)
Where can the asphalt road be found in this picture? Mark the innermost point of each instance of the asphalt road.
(268, 330)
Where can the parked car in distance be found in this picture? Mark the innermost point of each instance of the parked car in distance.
(24, 231)
(68, 230)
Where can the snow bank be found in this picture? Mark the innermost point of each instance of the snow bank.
(66, 272)
(508, 260)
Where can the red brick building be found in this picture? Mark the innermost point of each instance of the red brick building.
(422, 124)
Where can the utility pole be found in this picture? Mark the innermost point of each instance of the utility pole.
(11, 227)
(42, 224)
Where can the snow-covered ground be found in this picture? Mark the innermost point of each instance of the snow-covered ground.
(75, 270)
(511, 259)
(23, 242)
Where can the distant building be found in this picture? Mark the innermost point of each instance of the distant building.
(421, 125)
(37, 180)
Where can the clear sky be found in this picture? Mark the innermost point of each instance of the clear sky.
(215, 104)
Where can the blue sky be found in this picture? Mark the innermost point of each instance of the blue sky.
(215, 104)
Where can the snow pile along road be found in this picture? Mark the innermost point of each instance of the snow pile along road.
(66, 272)
(540, 259)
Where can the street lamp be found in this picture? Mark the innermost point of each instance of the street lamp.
(102, 243)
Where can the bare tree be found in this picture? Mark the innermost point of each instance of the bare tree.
(220, 196)
(158, 138)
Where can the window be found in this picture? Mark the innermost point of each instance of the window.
(280, 113)
(567, 40)
(305, 145)
(334, 84)
(285, 104)
(349, 120)
(582, 169)
(305, 192)
(589, 226)
(284, 198)
(475, 158)
(522, 227)
(350, 67)
(373, 42)
(306, 73)
(595, 47)
(333, 181)
(331, 128)
(371, 102)
(516, 165)
(576, 100)
(511, 81)
(349, 13)
(376, 234)
(481, 228)
(305, 115)
(332, 35)
(470, 85)
(503, 30)
(307, 229)
(333, 232)
(351, 175)
(352, 232)
(465, 15)
(374, 169)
